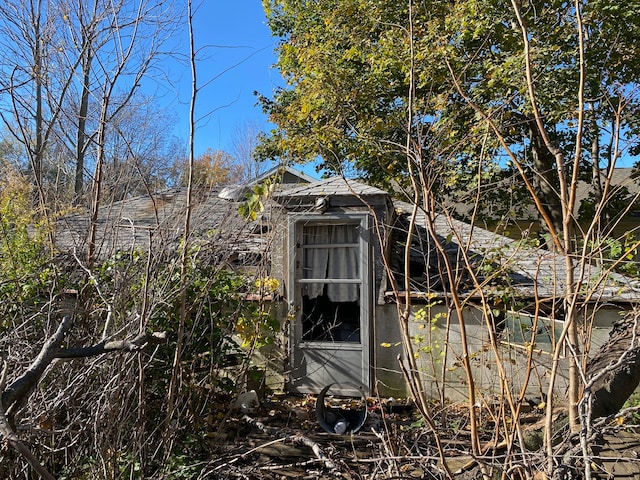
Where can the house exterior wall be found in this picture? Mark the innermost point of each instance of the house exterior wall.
(438, 338)
(438, 341)
(438, 344)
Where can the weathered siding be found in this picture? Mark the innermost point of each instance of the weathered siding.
(439, 347)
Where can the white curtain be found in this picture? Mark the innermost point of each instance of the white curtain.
(334, 263)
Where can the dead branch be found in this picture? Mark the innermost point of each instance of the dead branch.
(8, 434)
(290, 465)
(297, 439)
(612, 381)
(247, 453)
(137, 343)
(18, 391)
(12, 397)
(15, 394)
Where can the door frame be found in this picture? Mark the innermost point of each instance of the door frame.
(297, 347)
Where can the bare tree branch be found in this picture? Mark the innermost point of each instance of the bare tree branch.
(16, 393)
(7, 433)
(135, 344)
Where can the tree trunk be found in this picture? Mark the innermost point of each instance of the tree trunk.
(545, 179)
(82, 125)
(614, 371)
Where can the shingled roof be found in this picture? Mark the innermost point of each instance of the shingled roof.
(336, 191)
(158, 221)
(333, 186)
(529, 271)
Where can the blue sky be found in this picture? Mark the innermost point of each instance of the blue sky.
(236, 59)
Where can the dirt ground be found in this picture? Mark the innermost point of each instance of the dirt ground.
(282, 439)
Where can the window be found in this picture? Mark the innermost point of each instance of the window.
(330, 283)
